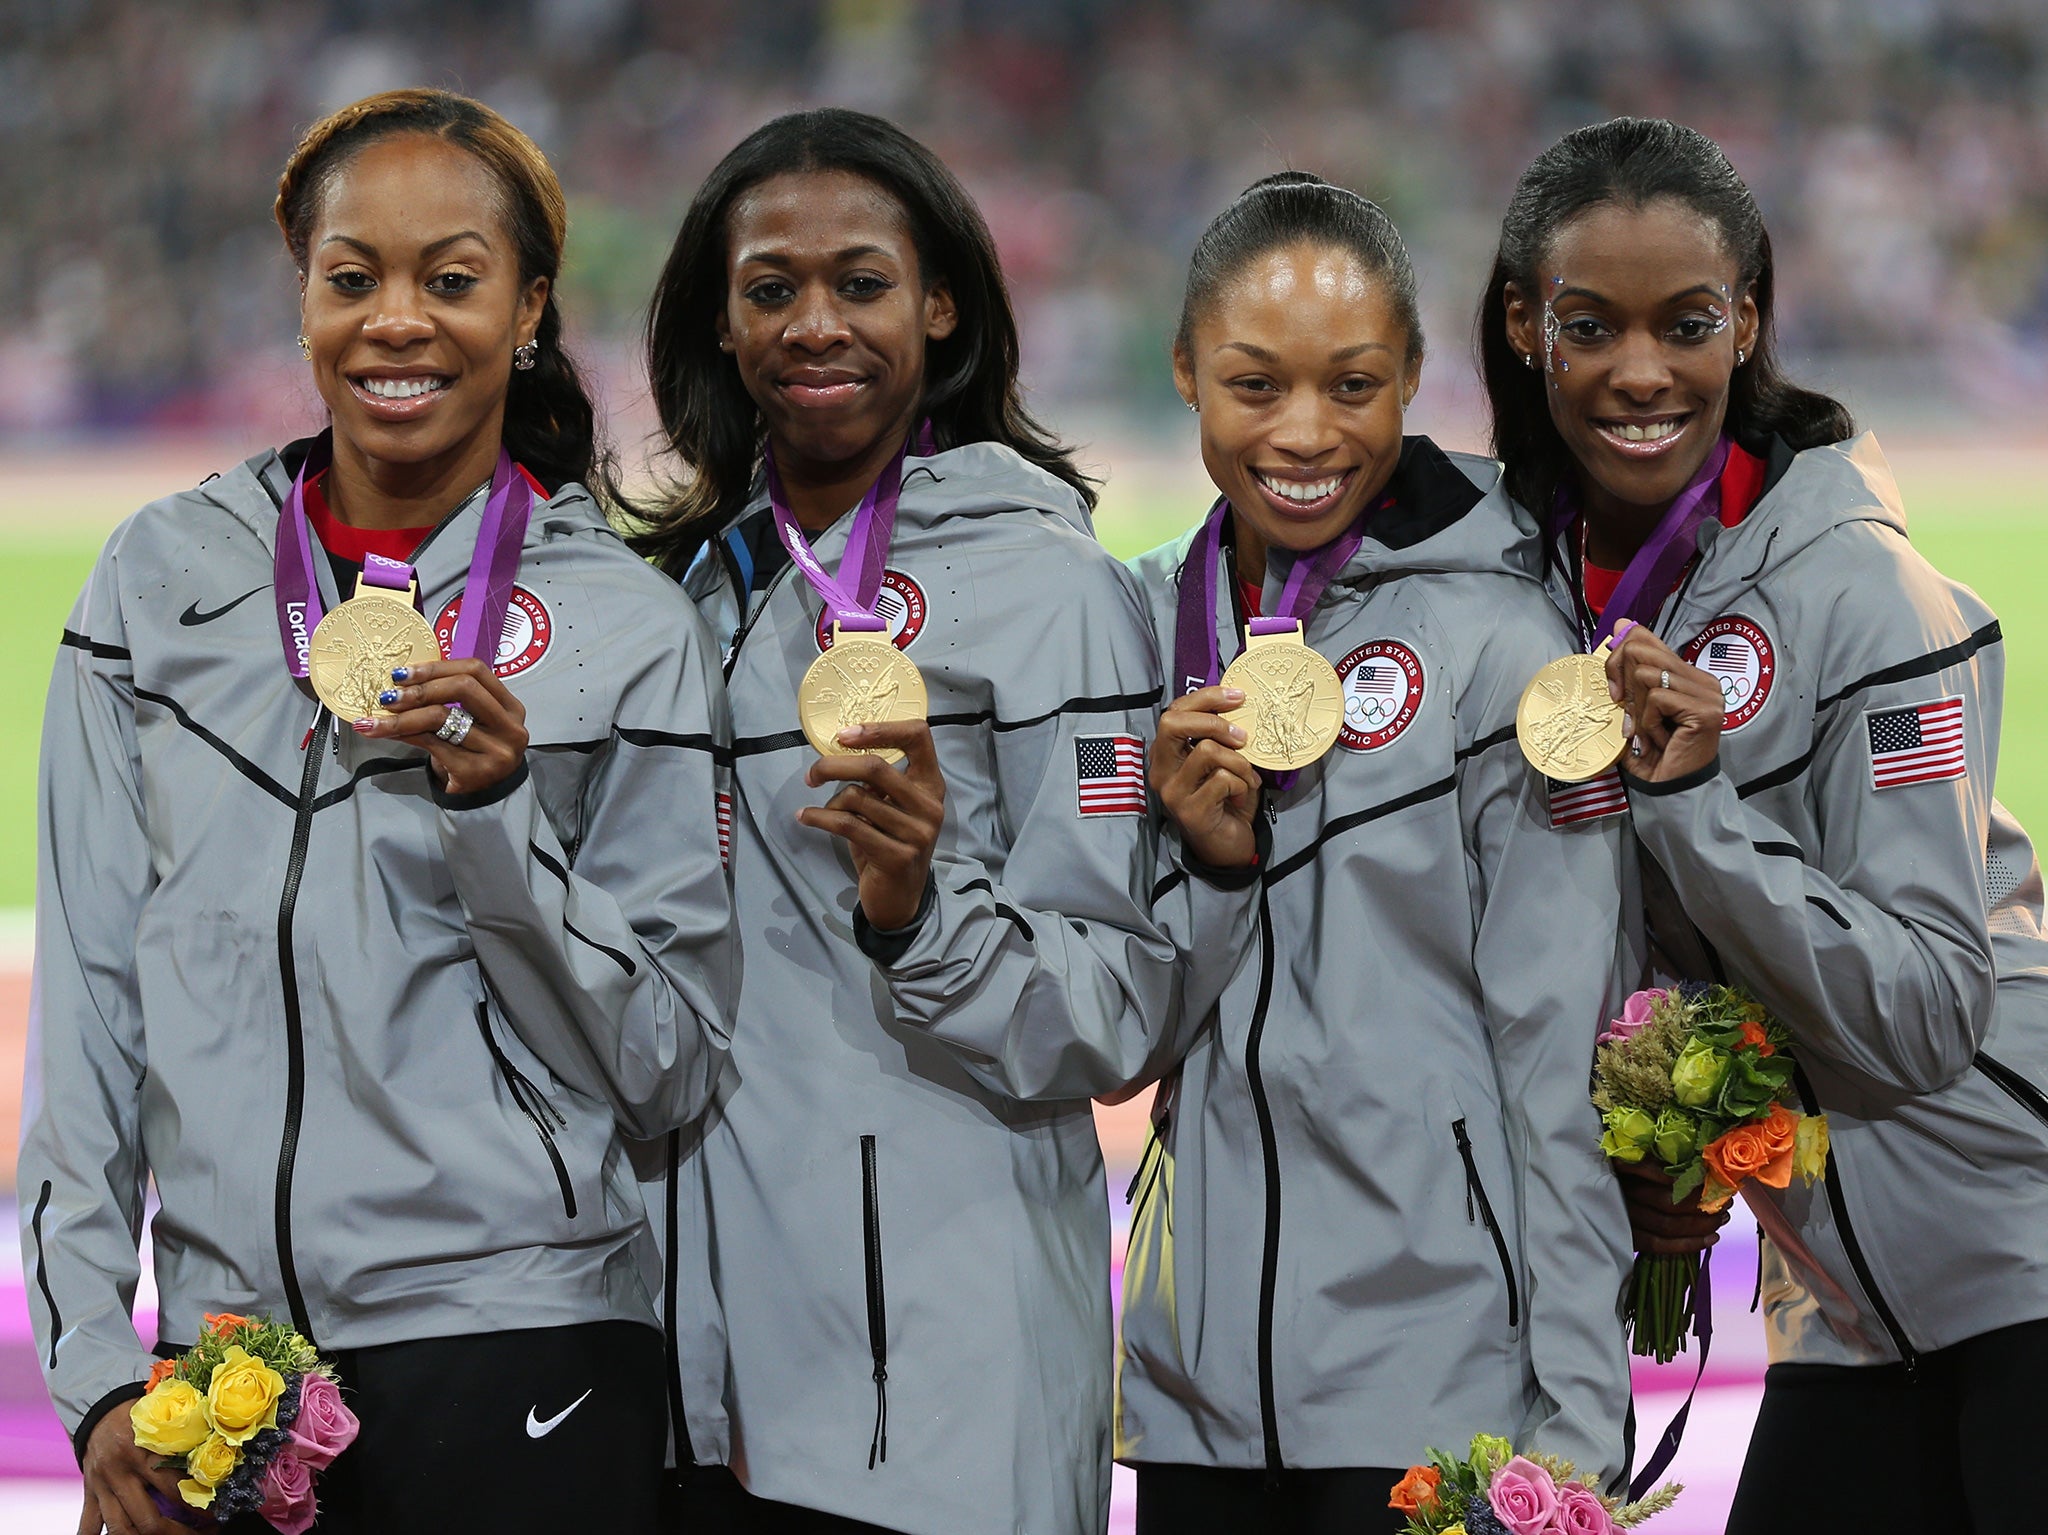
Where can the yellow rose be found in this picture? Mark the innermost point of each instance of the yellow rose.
(242, 1398)
(170, 1420)
(213, 1462)
(197, 1494)
(1456, 1529)
(1810, 1147)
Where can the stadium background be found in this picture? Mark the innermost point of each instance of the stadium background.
(1899, 147)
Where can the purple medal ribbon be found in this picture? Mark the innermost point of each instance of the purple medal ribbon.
(1655, 567)
(1674, 1431)
(1197, 660)
(485, 595)
(850, 596)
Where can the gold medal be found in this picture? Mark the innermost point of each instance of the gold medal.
(861, 680)
(1293, 703)
(1568, 726)
(355, 647)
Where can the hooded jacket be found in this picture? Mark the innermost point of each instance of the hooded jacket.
(1845, 860)
(890, 1257)
(368, 1038)
(1374, 1215)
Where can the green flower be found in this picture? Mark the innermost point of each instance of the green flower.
(1676, 1136)
(1489, 1453)
(1628, 1134)
(1696, 1076)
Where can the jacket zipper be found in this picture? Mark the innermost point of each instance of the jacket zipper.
(747, 622)
(542, 1115)
(1269, 1263)
(1152, 1162)
(686, 1454)
(2015, 1086)
(43, 1274)
(294, 1025)
(1908, 1355)
(878, 1311)
(1474, 1189)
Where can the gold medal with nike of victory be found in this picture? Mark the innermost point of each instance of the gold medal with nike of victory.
(1293, 703)
(355, 647)
(862, 680)
(1568, 726)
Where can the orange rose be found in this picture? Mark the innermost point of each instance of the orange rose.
(1753, 1034)
(158, 1371)
(1415, 1491)
(1780, 1133)
(225, 1322)
(1762, 1151)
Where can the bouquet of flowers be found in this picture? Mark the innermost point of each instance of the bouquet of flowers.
(1494, 1491)
(1698, 1077)
(250, 1416)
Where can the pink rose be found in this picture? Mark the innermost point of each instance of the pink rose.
(288, 1494)
(324, 1427)
(1580, 1512)
(1635, 1012)
(1523, 1497)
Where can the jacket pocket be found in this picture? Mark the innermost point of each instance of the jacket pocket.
(541, 1114)
(2015, 1087)
(43, 1274)
(1476, 1191)
(878, 1310)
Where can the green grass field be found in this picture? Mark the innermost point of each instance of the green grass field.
(1986, 526)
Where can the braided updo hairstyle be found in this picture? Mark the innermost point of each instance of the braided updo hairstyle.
(550, 427)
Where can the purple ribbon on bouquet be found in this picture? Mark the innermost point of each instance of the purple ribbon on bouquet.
(850, 596)
(1674, 1431)
(1197, 659)
(1655, 567)
(486, 594)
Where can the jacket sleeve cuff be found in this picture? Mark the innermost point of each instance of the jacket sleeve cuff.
(120, 1396)
(1246, 874)
(886, 945)
(1678, 785)
(503, 789)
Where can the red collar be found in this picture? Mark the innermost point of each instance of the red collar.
(346, 541)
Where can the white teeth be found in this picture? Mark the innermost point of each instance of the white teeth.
(1656, 431)
(402, 388)
(1297, 490)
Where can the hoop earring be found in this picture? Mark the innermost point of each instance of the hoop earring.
(525, 355)
(305, 348)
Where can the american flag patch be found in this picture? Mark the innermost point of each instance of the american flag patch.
(1725, 656)
(1110, 772)
(1919, 744)
(1593, 800)
(724, 829)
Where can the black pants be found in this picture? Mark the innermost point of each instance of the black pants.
(709, 1500)
(1191, 1500)
(520, 1433)
(1864, 1449)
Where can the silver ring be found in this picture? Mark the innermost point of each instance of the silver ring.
(455, 728)
(1664, 681)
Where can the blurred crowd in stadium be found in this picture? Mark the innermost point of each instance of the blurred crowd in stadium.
(1899, 147)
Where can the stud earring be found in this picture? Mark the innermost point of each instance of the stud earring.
(305, 349)
(1740, 358)
(525, 355)
(1528, 359)
(1191, 405)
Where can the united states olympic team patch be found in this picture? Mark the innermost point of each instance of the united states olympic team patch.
(1382, 682)
(901, 604)
(529, 631)
(1737, 653)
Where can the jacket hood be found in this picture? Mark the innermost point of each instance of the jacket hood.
(1808, 494)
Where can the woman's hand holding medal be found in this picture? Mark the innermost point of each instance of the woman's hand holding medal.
(889, 816)
(1204, 782)
(428, 704)
(1674, 709)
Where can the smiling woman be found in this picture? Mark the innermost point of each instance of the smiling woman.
(401, 990)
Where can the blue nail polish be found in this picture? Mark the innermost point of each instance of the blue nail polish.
(400, 673)
(388, 697)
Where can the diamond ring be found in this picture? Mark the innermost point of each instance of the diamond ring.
(455, 728)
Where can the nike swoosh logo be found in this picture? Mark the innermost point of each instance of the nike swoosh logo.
(540, 1428)
(192, 617)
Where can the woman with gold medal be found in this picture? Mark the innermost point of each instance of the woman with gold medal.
(366, 983)
(888, 1250)
(1372, 1216)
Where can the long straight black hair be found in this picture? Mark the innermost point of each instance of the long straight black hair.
(710, 421)
(1631, 162)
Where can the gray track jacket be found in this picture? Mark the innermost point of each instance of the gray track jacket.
(369, 1040)
(1835, 867)
(899, 1200)
(1374, 1216)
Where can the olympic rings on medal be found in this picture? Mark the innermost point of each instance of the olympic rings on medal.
(456, 727)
